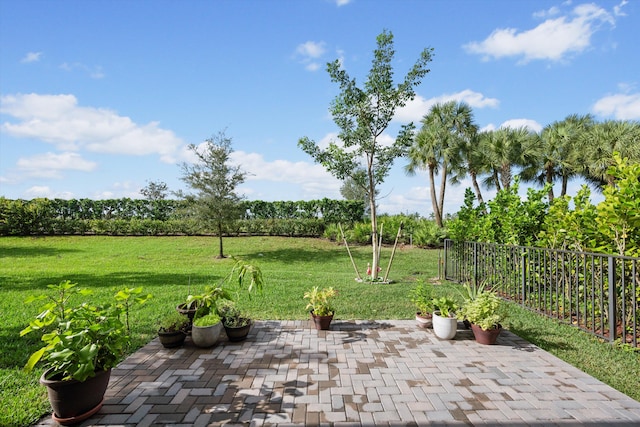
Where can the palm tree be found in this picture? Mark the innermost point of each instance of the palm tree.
(435, 147)
(556, 154)
(601, 141)
(472, 163)
(506, 148)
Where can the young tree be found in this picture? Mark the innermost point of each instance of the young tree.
(363, 114)
(155, 190)
(215, 179)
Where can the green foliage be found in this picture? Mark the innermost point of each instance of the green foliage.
(81, 338)
(320, 300)
(445, 305)
(506, 219)
(232, 316)
(613, 226)
(422, 297)
(173, 322)
(209, 319)
(485, 310)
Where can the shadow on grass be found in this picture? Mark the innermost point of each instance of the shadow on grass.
(300, 255)
(23, 252)
(115, 281)
(543, 338)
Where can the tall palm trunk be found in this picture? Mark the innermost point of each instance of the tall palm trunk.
(434, 199)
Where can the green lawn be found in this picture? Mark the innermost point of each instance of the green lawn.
(171, 267)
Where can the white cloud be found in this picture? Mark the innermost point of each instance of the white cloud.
(31, 57)
(415, 110)
(622, 106)
(94, 72)
(532, 125)
(342, 2)
(617, 10)
(553, 40)
(59, 120)
(50, 165)
(309, 52)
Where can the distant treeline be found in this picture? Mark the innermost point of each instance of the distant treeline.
(169, 217)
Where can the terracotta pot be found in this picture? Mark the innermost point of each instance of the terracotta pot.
(322, 323)
(487, 337)
(445, 328)
(74, 401)
(239, 333)
(424, 321)
(172, 339)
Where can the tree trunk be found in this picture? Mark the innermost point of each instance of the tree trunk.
(565, 183)
(443, 185)
(434, 200)
(221, 254)
(476, 187)
(374, 224)
(550, 181)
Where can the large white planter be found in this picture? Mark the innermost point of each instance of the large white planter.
(445, 328)
(206, 336)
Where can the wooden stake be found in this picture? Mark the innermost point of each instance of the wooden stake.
(344, 239)
(393, 252)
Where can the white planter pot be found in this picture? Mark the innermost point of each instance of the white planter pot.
(445, 328)
(206, 336)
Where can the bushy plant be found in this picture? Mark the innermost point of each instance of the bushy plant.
(209, 319)
(422, 297)
(486, 310)
(320, 300)
(81, 338)
(445, 305)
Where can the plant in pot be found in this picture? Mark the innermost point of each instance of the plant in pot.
(322, 310)
(485, 313)
(422, 297)
(445, 323)
(173, 330)
(236, 324)
(243, 276)
(207, 325)
(82, 343)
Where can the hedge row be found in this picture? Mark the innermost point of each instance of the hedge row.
(168, 217)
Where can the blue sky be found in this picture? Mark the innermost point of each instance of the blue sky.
(100, 97)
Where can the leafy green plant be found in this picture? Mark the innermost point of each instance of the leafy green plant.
(231, 315)
(445, 305)
(81, 338)
(173, 322)
(422, 297)
(485, 310)
(209, 319)
(320, 300)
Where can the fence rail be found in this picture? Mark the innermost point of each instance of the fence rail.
(598, 293)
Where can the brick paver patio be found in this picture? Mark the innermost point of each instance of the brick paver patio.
(357, 374)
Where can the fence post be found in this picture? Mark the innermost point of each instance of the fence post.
(523, 272)
(475, 265)
(444, 261)
(612, 298)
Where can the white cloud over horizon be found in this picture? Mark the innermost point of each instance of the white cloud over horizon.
(622, 106)
(416, 109)
(555, 39)
(62, 122)
(31, 57)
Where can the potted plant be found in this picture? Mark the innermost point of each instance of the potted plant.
(247, 277)
(82, 342)
(445, 323)
(173, 330)
(322, 310)
(200, 301)
(422, 297)
(236, 324)
(485, 313)
(206, 328)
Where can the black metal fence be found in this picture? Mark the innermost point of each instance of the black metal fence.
(598, 293)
